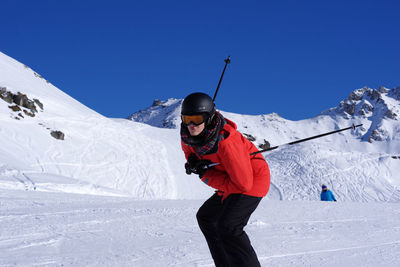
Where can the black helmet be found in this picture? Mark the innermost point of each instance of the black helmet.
(198, 103)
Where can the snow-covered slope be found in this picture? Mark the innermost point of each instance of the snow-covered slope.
(42, 226)
(98, 155)
(106, 156)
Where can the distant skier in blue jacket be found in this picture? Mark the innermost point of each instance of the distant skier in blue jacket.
(327, 195)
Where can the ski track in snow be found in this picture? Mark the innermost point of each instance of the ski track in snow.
(54, 229)
(120, 166)
(396, 243)
(345, 175)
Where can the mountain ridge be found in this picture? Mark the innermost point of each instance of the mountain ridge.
(374, 108)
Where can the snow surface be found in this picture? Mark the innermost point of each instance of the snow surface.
(58, 229)
(114, 192)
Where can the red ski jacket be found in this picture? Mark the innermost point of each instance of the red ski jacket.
(237, 172)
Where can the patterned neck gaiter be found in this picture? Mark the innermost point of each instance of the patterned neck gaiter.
(208, 140)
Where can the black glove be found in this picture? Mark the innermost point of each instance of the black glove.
(189, 165)
(201, 167)
(197, 166)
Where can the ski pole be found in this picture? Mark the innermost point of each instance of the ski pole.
(307, 139)
(227, 61)
(210, 165)
(294, 142)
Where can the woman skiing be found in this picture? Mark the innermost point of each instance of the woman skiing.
(220, 155)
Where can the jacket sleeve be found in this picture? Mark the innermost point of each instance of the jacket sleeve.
(186, 150)
(236, 161)
(333, 196)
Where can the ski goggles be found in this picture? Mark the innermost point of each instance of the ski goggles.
(195, 119)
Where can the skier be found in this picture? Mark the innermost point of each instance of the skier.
(240, 180)
(327, 195)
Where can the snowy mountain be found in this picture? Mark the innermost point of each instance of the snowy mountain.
(51, 142)
(378, 110)
(162, 114)
(380, 107)
(97, 155)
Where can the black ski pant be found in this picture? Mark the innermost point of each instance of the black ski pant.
(222, 224)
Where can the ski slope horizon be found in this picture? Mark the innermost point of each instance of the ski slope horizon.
(120, 157)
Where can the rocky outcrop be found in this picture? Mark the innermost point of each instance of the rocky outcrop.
(57, 135)
(363, 102)
(349, 108)
(22, 103)
(391, 114)
(395, 93)
(249, 137)
(22, 100)
(383, 90)
(374, 105)
(356, 95)
(378, 135)
(15, 108)
(36, 74)
(38, 103)
(6, 95)
(156, 102)
(266, 145)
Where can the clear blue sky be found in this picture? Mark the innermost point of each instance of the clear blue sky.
(296, 58)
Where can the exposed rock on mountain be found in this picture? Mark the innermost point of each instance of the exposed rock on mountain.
(57, 135)
(375, 106)
(6, 95)
(249, 137)
(265, 145)
(21, 101)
